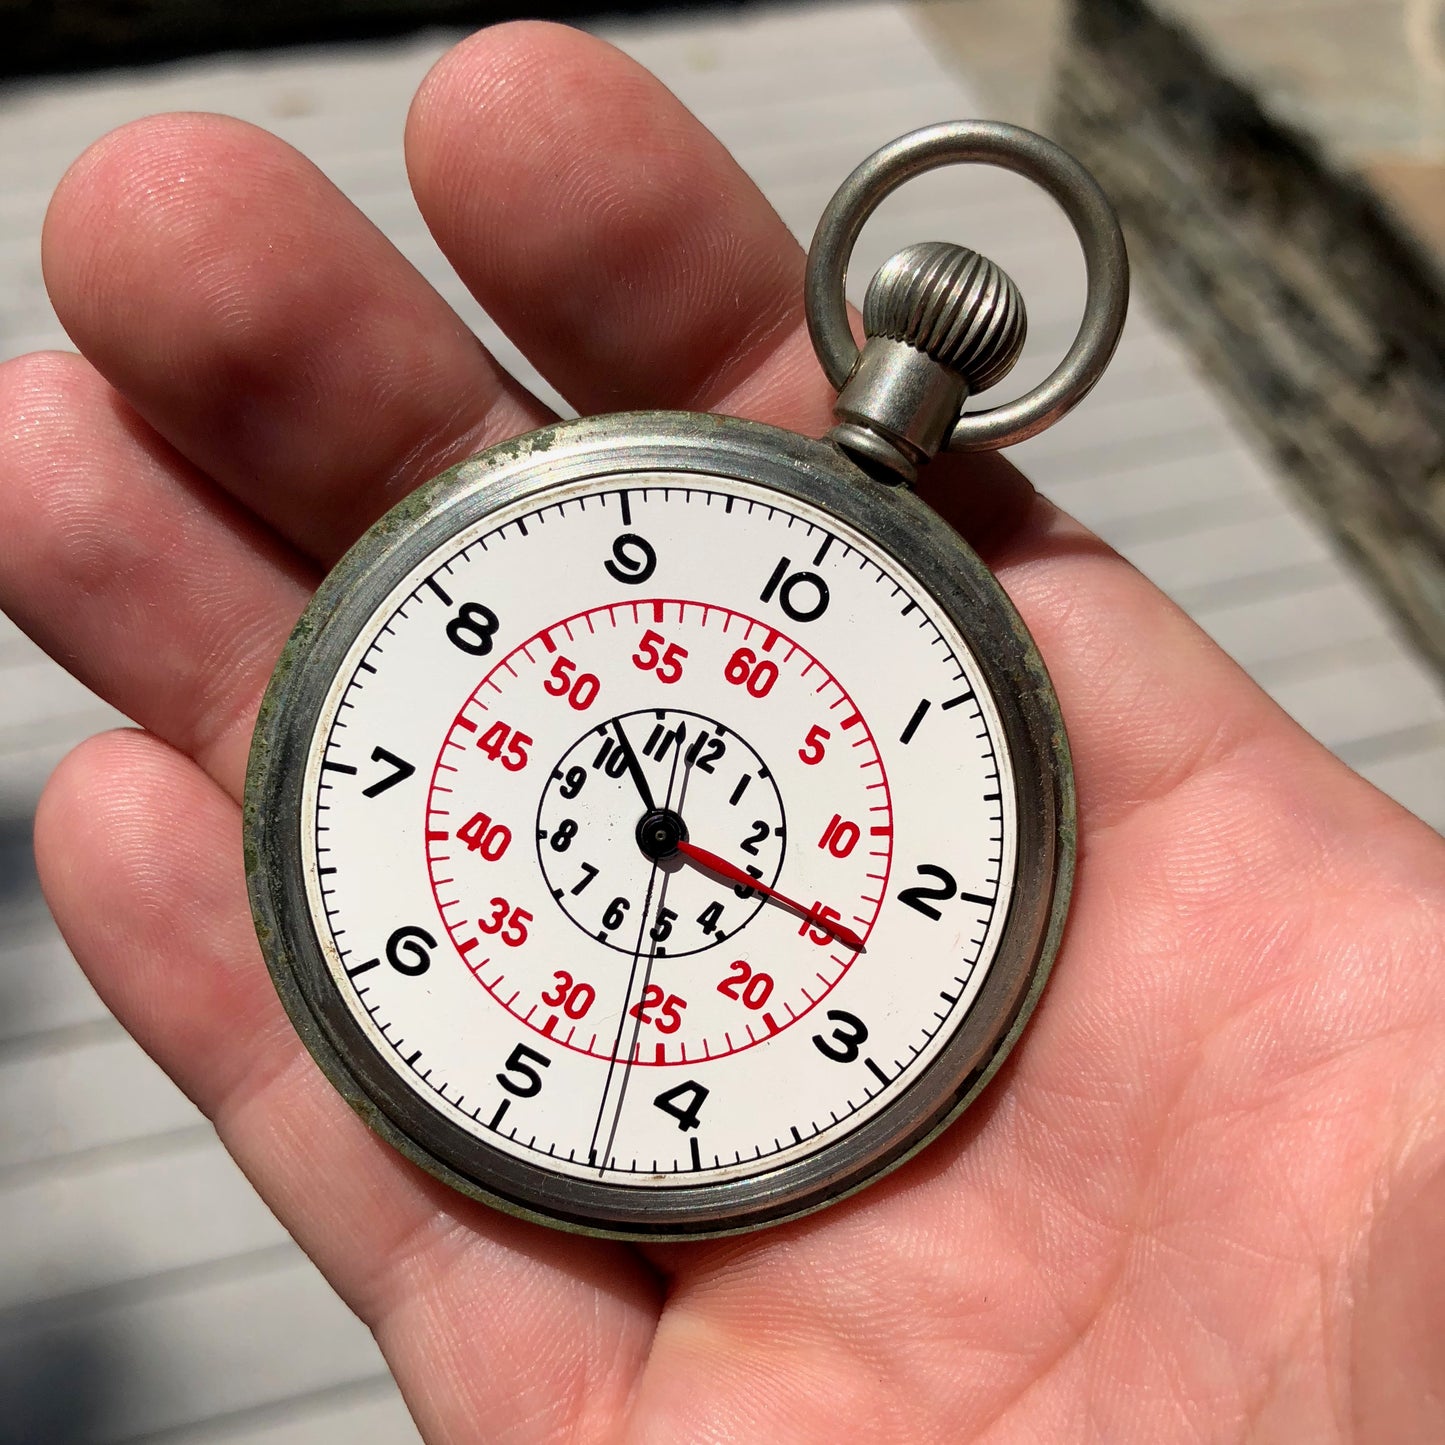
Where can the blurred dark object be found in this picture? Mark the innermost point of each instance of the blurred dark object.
(42, 36)
(1293, 275)
(60, 1379)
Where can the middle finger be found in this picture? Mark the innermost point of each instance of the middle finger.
(601, 225)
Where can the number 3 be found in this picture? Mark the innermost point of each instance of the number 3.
(847, 1040)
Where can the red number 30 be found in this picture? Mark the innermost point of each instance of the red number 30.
(574, 999)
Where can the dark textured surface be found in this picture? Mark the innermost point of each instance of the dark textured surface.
(58, 36)
(1295, 285)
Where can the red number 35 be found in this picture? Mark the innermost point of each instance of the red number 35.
(510, 922)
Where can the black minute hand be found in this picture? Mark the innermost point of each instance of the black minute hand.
(634, 767)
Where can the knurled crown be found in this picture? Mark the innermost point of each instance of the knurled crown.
(954, 305)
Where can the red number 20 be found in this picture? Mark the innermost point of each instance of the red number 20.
(749, 988)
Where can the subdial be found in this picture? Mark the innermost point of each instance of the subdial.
(624, 795)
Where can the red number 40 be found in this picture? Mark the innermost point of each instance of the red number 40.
(483, 836)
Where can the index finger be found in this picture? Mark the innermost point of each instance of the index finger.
(265, 328)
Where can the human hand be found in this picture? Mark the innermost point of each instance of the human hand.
(1206, 1197)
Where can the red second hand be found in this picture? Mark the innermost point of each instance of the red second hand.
(714, 864)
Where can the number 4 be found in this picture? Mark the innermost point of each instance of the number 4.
(669, 1101)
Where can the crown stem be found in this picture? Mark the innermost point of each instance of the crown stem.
(942, 322)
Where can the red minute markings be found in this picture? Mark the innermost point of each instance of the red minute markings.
(808, 721)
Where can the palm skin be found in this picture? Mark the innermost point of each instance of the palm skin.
(1206, 1198)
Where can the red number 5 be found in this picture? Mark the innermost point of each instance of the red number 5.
(812, 750)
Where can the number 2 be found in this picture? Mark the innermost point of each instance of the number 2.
(914, 897)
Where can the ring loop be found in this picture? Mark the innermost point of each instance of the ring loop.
(1012, 148)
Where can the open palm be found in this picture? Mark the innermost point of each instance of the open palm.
(1206, 1199)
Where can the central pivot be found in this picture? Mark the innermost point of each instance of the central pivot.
(659, 833)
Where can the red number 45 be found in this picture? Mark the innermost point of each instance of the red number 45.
(499, 737)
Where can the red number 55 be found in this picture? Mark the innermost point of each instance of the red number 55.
(666, 663)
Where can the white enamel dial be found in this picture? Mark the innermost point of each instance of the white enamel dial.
(524, 731)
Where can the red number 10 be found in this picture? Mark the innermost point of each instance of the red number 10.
(840, 838)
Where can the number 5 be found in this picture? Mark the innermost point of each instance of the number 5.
(520, 1062)
(812, 750)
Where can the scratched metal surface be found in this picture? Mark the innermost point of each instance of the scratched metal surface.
(137, 1265)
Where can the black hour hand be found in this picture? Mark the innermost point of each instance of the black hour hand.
(634, 767)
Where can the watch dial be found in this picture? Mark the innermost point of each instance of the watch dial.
(658, 835)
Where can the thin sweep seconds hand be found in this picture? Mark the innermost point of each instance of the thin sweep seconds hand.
(733, 874)
(636, 959)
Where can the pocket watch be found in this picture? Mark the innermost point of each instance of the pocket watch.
(661, 824)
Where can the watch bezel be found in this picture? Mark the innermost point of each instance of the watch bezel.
(922, 546)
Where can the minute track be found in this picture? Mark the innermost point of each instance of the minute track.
(455, 801)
